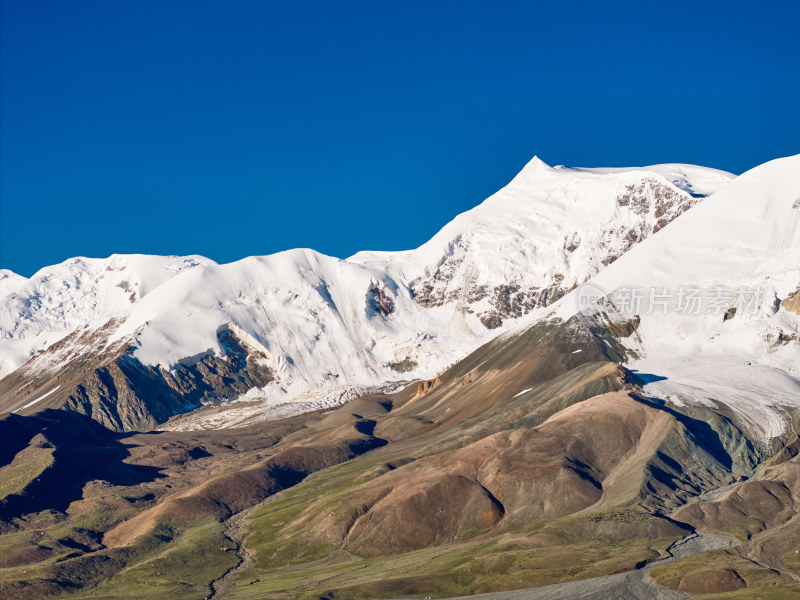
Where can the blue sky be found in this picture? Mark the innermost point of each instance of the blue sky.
(247, 127)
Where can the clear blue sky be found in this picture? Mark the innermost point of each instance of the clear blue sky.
(235, 127)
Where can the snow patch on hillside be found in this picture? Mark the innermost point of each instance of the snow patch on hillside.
(258, 405)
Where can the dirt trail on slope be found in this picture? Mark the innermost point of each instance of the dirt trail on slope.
(632, 585)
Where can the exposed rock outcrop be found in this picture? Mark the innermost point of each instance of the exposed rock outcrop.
(792, 303)
(379, 301)
(113, 387)
(652, 203)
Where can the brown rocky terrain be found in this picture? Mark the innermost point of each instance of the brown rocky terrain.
(535, 460)
(764, 514)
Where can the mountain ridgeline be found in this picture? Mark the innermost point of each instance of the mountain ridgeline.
(447, 421)
(127, 331)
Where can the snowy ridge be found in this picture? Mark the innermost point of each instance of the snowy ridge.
(76, 294)
(744, 239)
(322, 322)
(547, 231)
(697, 181)
(311, 315)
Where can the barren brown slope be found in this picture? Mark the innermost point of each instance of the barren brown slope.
(764, 514)
(602, 453)
(536, 443)
(110, 504)
(332, 440)
(475, 456)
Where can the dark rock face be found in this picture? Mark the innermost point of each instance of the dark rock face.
(115, 389)
(508, 300)
(513, 301)
(432, 290)
(129, 396)
(379, 301)
(491, 320)
(403, 366)
(649, 195)
(126, 396)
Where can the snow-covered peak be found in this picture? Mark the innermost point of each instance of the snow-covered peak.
(10, 281)
(748, 231)
(376, 317)
(708, 291)
(534, 165)
(324, 321)
(547, 231)
(8, 274)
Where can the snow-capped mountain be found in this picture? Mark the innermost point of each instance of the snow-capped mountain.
(76, 294)
(543, 234)
(314, 321)
(715, 298)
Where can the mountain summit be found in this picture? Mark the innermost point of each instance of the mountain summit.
(317, 322)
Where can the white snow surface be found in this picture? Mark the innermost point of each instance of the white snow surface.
(745, 237)
(698, 181)
(76, 294)
(253, 407)
(519, 232)
(311, 314)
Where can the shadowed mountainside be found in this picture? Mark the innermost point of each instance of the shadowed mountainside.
(108, 384)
